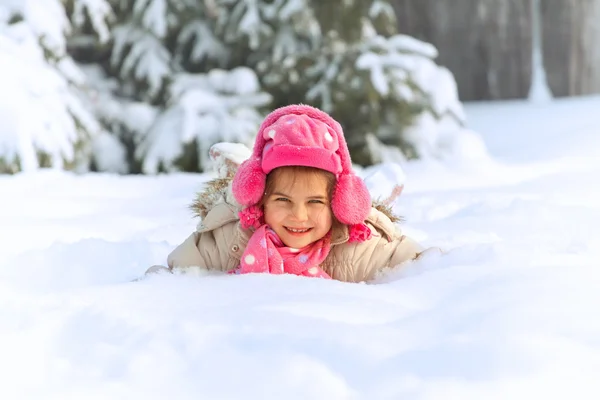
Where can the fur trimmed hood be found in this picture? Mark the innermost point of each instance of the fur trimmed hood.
(216, 191)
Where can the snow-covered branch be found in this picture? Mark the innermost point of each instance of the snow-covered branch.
(203, 109)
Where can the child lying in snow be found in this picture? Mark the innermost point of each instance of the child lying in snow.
(295, 206)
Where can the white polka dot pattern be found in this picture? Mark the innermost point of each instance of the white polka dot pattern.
(265, 252)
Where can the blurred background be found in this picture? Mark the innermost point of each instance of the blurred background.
(147, 86)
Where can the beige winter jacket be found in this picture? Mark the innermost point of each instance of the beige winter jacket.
(219, 241)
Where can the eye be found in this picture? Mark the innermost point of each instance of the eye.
(281, 199)
(315, 201)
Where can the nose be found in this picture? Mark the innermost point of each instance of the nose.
(300, 212)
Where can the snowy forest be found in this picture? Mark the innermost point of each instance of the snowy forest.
(147, 86)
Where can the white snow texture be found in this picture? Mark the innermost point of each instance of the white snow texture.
(510, 311)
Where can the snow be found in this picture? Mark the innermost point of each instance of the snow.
(510, 311)
(223, 153)
(290, 8)
(205, 108)
(98, 12)
(250, 24)
(154, 16)
(379, 8)
(46, 118)
(205, 44)
(48, 22)
(109, 154)
(276, 30)
(539, 92)
(391, 61)
(382, 178)
(42, 113)
(410, 44)
(395, 66)
(140, 56)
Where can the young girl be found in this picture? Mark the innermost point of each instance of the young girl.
(295, 206)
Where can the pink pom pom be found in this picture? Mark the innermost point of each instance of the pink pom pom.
(359, 233)
(249, 183)
(251, 217)
(351, 202)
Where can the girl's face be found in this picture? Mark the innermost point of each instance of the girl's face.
(298, 208)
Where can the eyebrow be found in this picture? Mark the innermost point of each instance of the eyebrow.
(317, 197)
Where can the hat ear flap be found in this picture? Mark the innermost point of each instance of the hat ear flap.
(249, 182)
(351, 201)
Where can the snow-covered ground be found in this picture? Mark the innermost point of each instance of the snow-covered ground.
(510, 312)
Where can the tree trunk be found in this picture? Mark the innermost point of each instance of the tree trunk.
(485, 43)
(539, 90)
(571, 46)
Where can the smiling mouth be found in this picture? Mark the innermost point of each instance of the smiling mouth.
(296, 230)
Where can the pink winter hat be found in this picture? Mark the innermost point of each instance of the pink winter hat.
(301, 135)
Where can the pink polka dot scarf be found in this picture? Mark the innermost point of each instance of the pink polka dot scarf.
(266, 253)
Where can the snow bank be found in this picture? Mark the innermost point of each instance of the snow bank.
(508, 312)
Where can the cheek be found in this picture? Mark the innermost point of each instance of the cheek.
(272, 214)
(329, 221)
(324, 218)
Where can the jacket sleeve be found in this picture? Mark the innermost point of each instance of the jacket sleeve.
(187, 254)
(405, 249)
(369, 258)
(210, 250)
(214, 246)
(388, 247)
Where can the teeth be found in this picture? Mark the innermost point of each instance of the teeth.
(297, 230)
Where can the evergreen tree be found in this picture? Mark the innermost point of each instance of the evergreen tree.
(154, 83)
(47, 120)
(204, 109)
(376, 83)
(345, 58)
(166, 54)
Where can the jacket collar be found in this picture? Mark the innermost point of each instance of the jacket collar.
(339, 233)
